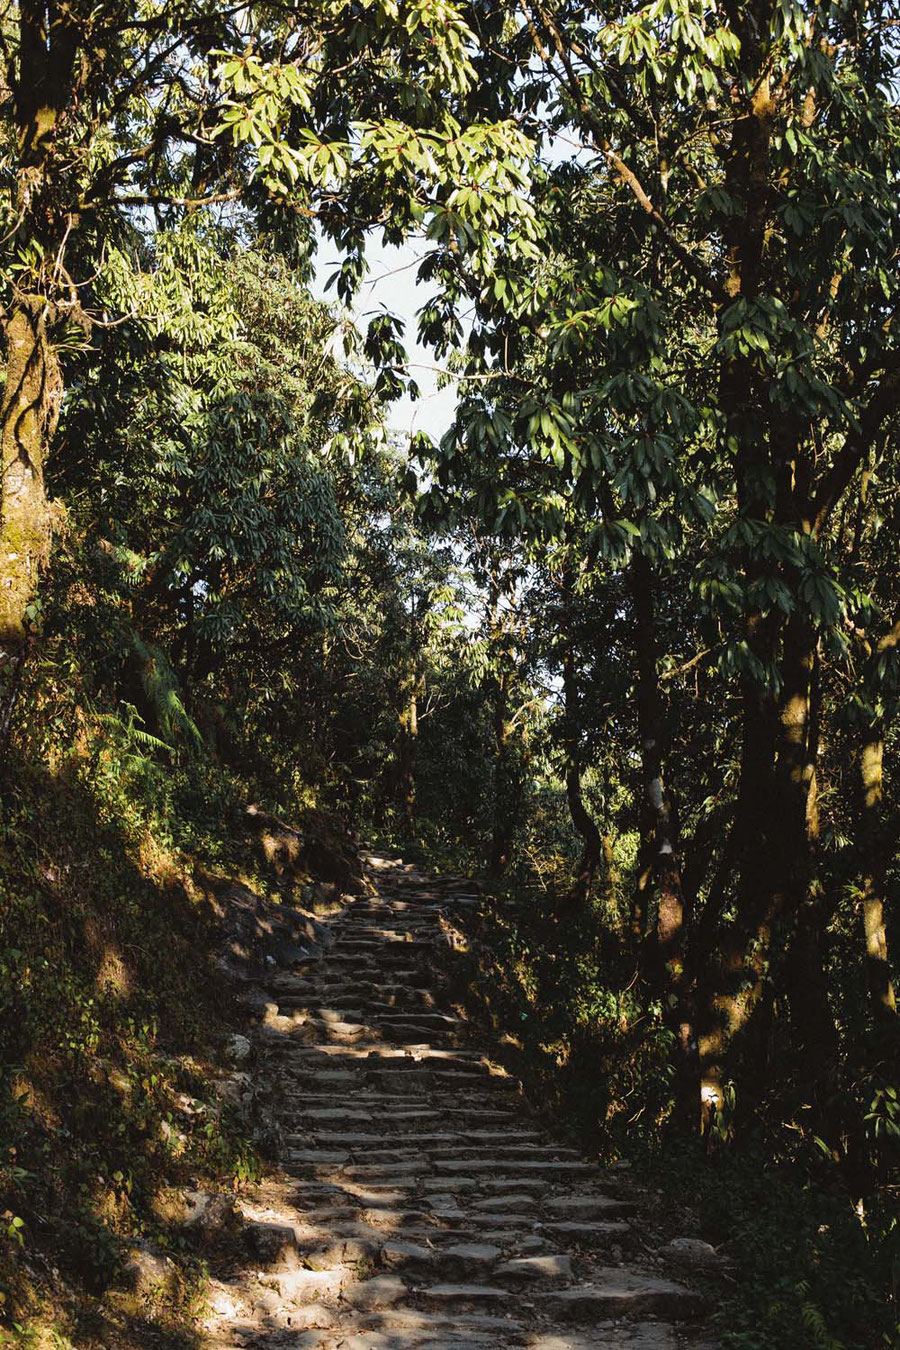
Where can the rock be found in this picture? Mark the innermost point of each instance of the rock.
(692, 1254)
(148, 1273)
(622, 1293)
(238, 1049)
(381, 1292)
(272, 1244)
(257, 1002)
(268, 1302)
(323, 895)
(462, 1295)
(301, 1287)
(472, 1257)
(208, 1213)
(500, 1204)
(235, 1089)
(639, 1336)
(313, 1315)
(260, 934)
(322, 847)
(588, 1206)
(222, 1302)
(343, 1251)
(395, 1255)
(536, 1268)
(204, 1212)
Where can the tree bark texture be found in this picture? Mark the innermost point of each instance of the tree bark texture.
(660, 848)
(874, 855)
(593, 852)
(505, 793)
(28, 415)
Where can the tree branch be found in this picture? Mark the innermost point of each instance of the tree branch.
(694, 266)
(882, 404)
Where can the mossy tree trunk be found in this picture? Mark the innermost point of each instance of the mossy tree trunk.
(28, 415)
(408, 741)
(875, 850)
(878, 970)
(505, 785)
(42, 78)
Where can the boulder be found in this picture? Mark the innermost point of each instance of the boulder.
(148, 1273)
(208, 1213)
(259, 935)
(238, 1049)
(271, 1244)
(692, 1254)
(320, 848)
(233, 1090)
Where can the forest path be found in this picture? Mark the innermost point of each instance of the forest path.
(419, 1204)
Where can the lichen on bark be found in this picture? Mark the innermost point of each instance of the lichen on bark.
(29, 411)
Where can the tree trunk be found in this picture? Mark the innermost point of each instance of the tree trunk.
(47, 50)
(669, 952)
(872, 847)
(28, 416)
(666, 872)
(797, 833)
(504, 824)
(592, 852)
(407, 752)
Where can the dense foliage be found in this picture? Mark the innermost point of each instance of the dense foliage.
(625, 641)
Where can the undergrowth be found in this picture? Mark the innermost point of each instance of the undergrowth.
(815, 1265)
(113, 1014)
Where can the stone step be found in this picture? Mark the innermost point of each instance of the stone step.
(382, 955)
(465, 1058)
(353, 1004)
(457, 1259)
(583, 1207)
(391, 931)
(368, 1096)
(346, 984)
(452, 1297)
(412, 1149)
(458, 1081)
(414, 1320)
(342, 967)
(430, 1212)
(383, 931)
(310, 1031)
(410, 1120)
(335, 1138)
(509, 1167)
(365, 1081)
(603, 1233)
(412, 1226)
(535, 1269)
(618, 1292)
(369, 1093)
(375, 956)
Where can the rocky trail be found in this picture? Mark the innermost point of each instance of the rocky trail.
(418, 1203)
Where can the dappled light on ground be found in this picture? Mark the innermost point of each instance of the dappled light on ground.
(420, 1204)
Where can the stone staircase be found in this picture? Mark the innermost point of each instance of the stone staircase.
(419, 1204)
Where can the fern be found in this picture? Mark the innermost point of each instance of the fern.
(130, 730)
(815, 1323)
(161, 687)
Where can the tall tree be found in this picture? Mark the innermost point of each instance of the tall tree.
(709, 344)
(117, 116)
